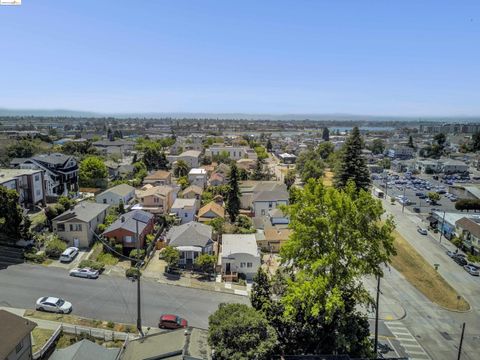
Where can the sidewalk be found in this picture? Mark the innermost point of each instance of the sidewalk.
(155, 270)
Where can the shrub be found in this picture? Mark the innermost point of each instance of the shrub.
(110, 324)
(118, 248)
(55, 247)
(133, 273)
(36, 258)
(170, 255)
(107, 259)
(242, 276)
(140, 253)
(96, 265)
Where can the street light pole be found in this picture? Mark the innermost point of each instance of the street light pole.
(139, 306)
(461, 342)
(376, 316)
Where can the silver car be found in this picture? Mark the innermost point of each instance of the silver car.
(87, 273)
(472, 270)
(53, 304)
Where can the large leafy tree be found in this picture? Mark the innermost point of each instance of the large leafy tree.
(325, 149)
(338, 238)
(378, 146)
(237, 332)
(309, 165)
(93, 172)
(233, 194)
(352, 165)
(10, 212)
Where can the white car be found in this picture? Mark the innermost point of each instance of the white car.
(69, 254)
(53, 304)
(422, 231)
(84, 273)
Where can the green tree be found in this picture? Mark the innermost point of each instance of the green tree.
(433, 197)
(181, 169)
(183, 182)
(326, 134)
(218, 225)
(233, 194)
(290, 178)
(153, 157)
(410, 142)
(260, 296)
(206, 263)
(353, 166)
(269, 146)
(55, 247)
(258, 172)
(171, 256)
(21, 149)
(66, 202)
(10, 212)
(93, 172)
(309, 165)
(378, 146)
(325, 149)
(332, 227)
(238, 332)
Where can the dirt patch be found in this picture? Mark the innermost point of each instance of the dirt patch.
(40, 338)
(424, 277)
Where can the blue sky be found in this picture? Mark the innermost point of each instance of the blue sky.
(396, 57)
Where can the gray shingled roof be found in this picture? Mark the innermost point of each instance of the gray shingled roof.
(14, 328)
(85, 350)
(121, 189)
(128, 221)
(84, 211)
(190, 234)
(54, 159)
(271, 196)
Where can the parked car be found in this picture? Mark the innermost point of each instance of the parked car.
(84, 273)
(472, 270)
(450, 253)
(416, 209)
(460, 260)
(170, 321)
(69, 254)
(53, 304)
(422, 231)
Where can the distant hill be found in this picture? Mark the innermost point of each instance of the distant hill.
(234, 116)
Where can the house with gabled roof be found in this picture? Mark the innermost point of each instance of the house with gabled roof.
(210, 211)
(191, 239)
(125, 229)
(77, 226)
(192, 192)
(122, 193)
(159, 177)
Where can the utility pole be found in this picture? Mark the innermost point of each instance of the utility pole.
(441, 228)
(403, 200)
(376, 316)
(139, 306)
(461, 342)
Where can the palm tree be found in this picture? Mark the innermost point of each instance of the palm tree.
(181, 168)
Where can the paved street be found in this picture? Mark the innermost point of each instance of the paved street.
(109, 297)
(436, 330)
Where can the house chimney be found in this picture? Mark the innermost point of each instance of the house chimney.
(123, 219)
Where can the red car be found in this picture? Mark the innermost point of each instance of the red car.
(170, 321)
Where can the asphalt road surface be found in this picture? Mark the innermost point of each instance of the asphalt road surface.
(109, 297)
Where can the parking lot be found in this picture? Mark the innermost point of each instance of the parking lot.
(412, 188)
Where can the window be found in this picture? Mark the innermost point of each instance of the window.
(249, 265)
(61, 227)
(156, 200)
(19, 347)
(186, 214)
(37, 177)
(270, 204)
(242, 265)
(75, 227)
(104, 201)
(38, 192)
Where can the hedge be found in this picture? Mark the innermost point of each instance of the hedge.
(55, 247)
(133, 273)
(96, 265)
(36, 258)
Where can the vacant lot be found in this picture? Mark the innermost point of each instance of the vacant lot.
(424, 277)
(40, 337)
